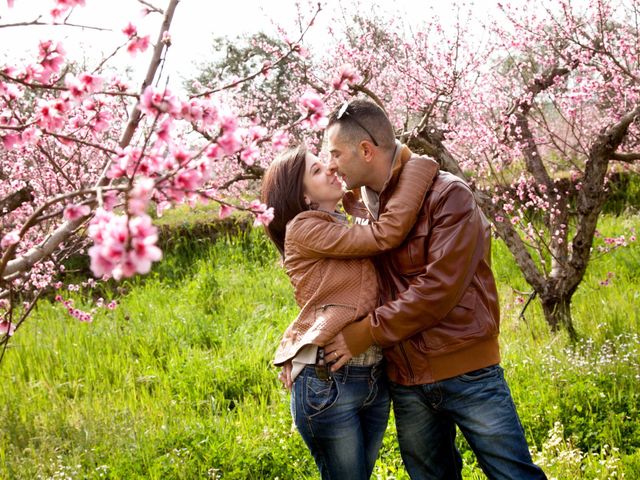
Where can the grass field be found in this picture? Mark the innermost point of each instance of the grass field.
(177, 382)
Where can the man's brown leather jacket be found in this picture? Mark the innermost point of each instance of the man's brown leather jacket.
(439, 313)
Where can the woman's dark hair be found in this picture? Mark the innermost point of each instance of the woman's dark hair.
(283, 189)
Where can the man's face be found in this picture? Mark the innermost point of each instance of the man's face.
(345, 159)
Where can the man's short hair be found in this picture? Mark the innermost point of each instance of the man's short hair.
(367, 114)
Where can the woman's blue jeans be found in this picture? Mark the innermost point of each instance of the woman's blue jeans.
(342, 420)
(480, 403)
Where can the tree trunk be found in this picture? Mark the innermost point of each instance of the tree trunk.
(557, 312)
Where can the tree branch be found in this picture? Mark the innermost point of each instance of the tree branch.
(38, 23)
(362, 88)
(520, 129)
(9, 203)
(625, 157)
(591, 196)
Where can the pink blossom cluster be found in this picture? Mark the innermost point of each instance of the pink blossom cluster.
(136, 43)
(7, 328)
(612, 243)
(74, 312)
(81, 315)
(313, 110)
(347, 75)
(264, 214)
(63, 6)
(123, 246)
(279, 141)
(50, 60)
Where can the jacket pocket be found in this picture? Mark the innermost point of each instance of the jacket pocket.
(460, 325)
(411, 258)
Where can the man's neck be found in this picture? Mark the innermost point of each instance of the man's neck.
(381, 173)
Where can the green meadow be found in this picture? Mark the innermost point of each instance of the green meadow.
(176, 382)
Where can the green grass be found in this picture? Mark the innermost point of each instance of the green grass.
(177, 381)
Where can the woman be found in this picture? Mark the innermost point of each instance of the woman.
(341, 415)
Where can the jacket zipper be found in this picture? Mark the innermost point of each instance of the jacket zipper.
(327, 305)
(406, 360)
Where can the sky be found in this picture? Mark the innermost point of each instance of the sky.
(195, 23)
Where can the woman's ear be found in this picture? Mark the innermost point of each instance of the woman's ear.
(307, 200)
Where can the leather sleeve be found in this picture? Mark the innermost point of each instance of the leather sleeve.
(314, 237)
(456, 247)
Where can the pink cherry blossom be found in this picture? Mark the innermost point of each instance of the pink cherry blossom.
(11, 140)
(9, 239)
(264, 218)
(313, 110)
(154, 102)
(7, 328)
(230, 142)
(279, 141)
(130, 30)
(74, 212)
(225, 211)
(250, 154)
(140, 195)
(138, 44)
(347, 74)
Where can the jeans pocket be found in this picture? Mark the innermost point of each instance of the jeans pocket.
(319, 394)
(480, 374)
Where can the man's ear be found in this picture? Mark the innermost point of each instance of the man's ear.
(366, 151)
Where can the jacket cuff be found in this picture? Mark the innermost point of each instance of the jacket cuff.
(357, 336)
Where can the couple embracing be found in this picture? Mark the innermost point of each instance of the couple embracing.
(402, 307)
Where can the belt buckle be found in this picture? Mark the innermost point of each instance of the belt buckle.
(321, 367)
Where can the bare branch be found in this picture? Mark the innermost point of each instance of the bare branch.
(38, 23)
(626, 157)
(151, 7)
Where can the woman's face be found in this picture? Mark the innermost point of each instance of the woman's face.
(321, 188)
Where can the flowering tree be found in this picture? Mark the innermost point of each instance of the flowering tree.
(538, 130)
(533, 116)
(534, 110)
(84, 156)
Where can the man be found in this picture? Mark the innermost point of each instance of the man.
(438, 320)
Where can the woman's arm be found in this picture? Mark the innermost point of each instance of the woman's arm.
(314, 236)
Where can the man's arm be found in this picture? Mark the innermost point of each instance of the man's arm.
(456, 247)
(315, 238)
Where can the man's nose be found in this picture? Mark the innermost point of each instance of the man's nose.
(332, 168)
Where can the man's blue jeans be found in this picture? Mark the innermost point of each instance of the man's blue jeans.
(342, 420)
(480, 403)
